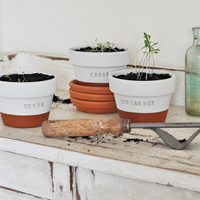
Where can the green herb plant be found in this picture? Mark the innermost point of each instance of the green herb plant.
(148, 55)
(103, 46)
(6, 76)
(24, 77)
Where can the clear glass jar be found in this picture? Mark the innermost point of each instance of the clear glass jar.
(192, 76)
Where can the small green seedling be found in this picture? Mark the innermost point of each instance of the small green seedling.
(101, 47)
(24, 77)
(6, 76)
(104, 46)
(148, 54)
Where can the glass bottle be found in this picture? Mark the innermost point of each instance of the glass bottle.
(192, 75)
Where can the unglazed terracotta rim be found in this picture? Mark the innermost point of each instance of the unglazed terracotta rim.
(92, 84)
(105, 104)
(94, 107)
(88, 89)
(91, 97)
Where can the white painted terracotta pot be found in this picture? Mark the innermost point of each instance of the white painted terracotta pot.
(26, 104)
(142, 101)
(94, 67)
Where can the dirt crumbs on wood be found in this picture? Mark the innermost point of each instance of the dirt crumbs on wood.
(181, 141)
(136, 140)
(109, 139)
(57, 99)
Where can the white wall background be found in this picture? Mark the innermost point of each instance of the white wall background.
(53, 26)
(1, 26)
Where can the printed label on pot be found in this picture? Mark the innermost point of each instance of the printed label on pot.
(98, 74)
(33, 106)
(94, 74)
(137, 103)
(142, 104)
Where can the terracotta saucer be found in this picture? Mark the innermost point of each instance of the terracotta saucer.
(91, 97)
(94, 106)
(75, 86)
(93, 84)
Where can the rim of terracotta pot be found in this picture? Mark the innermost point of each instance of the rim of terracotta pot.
(36, 89)
(74, 85)
(94, 106)
(99, 59)
(93, 84)
(26, 101)
(138, 87)
(91, 97)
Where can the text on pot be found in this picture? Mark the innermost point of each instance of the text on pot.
(137, 103)
(96, 75)
(34, 105)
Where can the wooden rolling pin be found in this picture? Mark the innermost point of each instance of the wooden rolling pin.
(84, 127)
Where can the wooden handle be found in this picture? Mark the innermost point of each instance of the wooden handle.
(84, 127)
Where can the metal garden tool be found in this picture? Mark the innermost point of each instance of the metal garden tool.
(115, 126)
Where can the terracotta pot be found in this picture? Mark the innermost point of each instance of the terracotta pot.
(24, 121)
(94, 67)
(94, 106)
(91, 97)
(158, 117)
(26, 104)
(142, 101)
(75, 86)
(93, 84)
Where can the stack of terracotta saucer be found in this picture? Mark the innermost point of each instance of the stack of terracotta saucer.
(92, 98)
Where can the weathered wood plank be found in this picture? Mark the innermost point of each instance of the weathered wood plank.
(25, 174)
(111, 166)
(97, 185)
(9, 194)
(61, 182)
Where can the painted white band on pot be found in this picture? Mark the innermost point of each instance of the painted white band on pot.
(23, 107)
(28, 89)
(94, 67)
(94, 74)
(142, 105)
(142, 96)
(27, 98)
(141, 88)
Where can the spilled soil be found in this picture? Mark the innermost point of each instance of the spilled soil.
(57, 99)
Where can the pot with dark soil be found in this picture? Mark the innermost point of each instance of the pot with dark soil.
(25, 98)
(93, 64)
(143, 94)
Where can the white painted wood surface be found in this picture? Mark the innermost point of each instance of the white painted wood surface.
(16, 173)
(98, 167)
(16, 195)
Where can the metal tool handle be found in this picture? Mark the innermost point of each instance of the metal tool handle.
(84, 127)
(165, 125)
